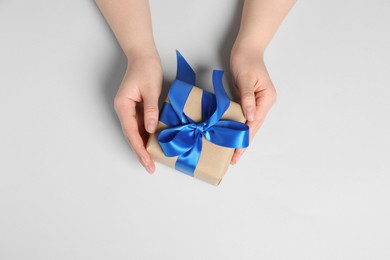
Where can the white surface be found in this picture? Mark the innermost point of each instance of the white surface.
(313, 185)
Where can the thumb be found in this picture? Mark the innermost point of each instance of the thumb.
(246, 92)
(151, 112)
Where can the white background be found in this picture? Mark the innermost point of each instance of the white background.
(314, 183)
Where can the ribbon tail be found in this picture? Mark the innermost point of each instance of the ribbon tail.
(184, 71)
(187, 162)
(221, 99)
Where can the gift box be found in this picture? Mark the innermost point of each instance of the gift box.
(198, 131)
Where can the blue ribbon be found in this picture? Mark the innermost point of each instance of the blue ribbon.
(183, 137)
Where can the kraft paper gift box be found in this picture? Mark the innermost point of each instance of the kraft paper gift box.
(179, 146)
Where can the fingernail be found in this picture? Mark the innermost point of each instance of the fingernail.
(250, 114)
(151, 127)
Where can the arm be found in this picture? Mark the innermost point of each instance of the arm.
(259, 22)
(131, 23)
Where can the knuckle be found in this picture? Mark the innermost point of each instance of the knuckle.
(272, 95)
(248, 98)
(150, 110)
(248, 94)
(118, 103)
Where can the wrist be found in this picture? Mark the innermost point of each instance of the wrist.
(245, 46)
(143, 61)
(243, 53)
(142, 52)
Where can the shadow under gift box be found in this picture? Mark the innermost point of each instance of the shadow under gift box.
(214, 159)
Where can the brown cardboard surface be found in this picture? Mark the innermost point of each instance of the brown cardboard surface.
(214, 159)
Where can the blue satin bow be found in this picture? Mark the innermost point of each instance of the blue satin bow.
(183, 137)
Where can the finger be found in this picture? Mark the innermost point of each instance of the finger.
(126, 110)
(245, 86)
(254, 126)
(150, 100)
(264, 101)
(236, 155)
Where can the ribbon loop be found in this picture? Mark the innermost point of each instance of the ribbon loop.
(183, 137)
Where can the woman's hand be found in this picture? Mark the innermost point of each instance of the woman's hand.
(136, 103)
(254, 88)
(141, 86)
(259, 21)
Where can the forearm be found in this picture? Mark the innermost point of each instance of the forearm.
(259, 22)
(130, 21)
